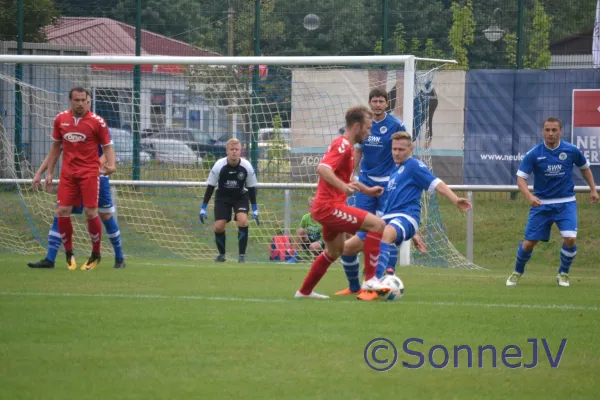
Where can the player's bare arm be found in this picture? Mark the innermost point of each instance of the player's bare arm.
(328, 175)
(357, 158)
(108, 167)
(374, 191)
(52, 159)
(461, 203)
(589, 179)
(524, 189)
(37, 178)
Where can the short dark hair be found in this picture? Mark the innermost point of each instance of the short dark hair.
(78, 89)
(553, 119)
(378, 92)
(357, 114)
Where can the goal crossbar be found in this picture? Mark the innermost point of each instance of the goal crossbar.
(168, 60)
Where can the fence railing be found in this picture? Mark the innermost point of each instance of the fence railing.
(288, 187)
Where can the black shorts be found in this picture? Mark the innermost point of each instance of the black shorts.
(223, 207)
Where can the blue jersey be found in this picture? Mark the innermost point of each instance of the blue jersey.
(377, 157)
(553, 171)
(403, 193)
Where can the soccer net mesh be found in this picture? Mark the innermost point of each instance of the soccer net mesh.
(284, 115)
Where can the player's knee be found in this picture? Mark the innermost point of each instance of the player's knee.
(90, 212)
(569, 241)
(220, 226)
(105, 216)
(379, 225)
(528, 245)
(315, 246)
(63, 211)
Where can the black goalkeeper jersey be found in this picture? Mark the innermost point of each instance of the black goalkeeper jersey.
(231, 182)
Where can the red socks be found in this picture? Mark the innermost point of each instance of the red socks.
(95, 230)
(65, 228)
(371, 253)
(317, 270)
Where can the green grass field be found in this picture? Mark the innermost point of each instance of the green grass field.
(166, 329)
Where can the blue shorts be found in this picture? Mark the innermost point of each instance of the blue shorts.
(105, 204)
(369, 203)
(405, 230)
(541, 218)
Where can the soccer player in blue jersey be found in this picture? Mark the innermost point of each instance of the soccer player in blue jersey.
(105, 211)
(374, 160)
(553, 199)
(402, 204)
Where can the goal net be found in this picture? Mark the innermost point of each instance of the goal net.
(169, 120)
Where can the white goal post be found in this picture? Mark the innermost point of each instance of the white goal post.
(404, 66)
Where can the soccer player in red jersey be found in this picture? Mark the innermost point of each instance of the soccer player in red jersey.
(79, 132)
(330, 209)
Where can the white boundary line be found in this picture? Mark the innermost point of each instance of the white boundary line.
(563, 307)
(421, 271)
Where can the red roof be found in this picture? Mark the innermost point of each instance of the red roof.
(107, 37)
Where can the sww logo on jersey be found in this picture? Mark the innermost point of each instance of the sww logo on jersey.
(74, 137)
(373, 139)
(231, 184)
(554, 168)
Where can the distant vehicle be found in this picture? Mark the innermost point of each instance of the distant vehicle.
(123, 145)
(170, 151)
(201, 142)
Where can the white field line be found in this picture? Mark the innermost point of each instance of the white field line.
(560, 307)
(421, 271)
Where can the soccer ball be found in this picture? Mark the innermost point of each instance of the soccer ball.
(396, 291)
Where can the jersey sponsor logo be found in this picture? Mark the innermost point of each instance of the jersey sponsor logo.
(240, 176)
(562, 156)
(231, 184)
(373, 139)
(383, 129)
(74, 137)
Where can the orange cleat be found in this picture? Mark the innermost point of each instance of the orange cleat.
(347, 291)
(367, 296)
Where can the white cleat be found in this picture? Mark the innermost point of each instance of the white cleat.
(375, 285)
(563, 280)
(513, 279)
(312, 295)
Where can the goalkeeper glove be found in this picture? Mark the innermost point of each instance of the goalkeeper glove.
(203, 212)
(255, 213)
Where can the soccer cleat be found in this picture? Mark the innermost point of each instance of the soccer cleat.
(347, 291)
(91, 263)
(390, 271)
(71, 263)
(242, 258)
(374, 285)
(367, 296)
(220, 258)
(513, 279)
(120, 263)
(45, 263)
(312, 295)
(563, 280)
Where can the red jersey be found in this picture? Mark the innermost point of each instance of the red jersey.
(340, 158)
(80, 139)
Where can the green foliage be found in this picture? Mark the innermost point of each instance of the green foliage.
(538, 56)
(511, 48)
(277, 152)
(462, 33)
(36, 15)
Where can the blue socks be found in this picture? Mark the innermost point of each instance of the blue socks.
(351, 266)
(54, 241)
(522, 258)
(567, 255)
(112, 230)
(393, 258)
(385, 249)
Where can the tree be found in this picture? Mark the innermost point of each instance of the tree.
(462, 33)
(511, 48)
(36, 15)
(538, 56)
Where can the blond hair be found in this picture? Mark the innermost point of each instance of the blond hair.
(232, 141)
(402, 135)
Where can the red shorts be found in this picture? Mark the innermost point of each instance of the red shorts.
(338, 218)
(72, 191)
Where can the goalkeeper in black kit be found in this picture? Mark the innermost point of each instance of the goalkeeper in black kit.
(236, 182)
